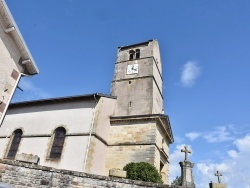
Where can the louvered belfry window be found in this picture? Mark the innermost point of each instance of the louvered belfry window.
(15, 144)
(57, 146)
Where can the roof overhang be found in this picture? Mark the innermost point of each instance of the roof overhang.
(93, 96)
(135, 45)
(12, 30)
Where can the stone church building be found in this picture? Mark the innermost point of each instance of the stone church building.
(89, 133)
(94, 133)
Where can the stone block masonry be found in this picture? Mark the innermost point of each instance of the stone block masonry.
(217, 185)
(20, 175)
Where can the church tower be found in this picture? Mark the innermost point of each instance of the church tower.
(139, 131)
(137, 81)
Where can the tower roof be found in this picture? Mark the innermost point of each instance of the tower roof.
(137, 44)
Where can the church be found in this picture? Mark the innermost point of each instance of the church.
(91, 133)
(94, 133)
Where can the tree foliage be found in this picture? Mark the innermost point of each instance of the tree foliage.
(177, 181)
(143, 171)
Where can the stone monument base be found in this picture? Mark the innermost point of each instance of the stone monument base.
(217, 185)
(187, 174)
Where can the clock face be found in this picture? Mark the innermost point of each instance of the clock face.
(133, 69)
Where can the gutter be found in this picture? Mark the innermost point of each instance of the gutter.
(90, 134)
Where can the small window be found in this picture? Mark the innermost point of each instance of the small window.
(57, 146)
(134, 54)
(131, 54)
(161, 166)
(16, 139)
(137, 53)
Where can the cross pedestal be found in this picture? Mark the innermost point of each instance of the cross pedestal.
(187, 178)
(187, 174)
(217, 185)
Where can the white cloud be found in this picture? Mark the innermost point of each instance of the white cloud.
(220, 134)
(243, 144)
(232, 162)
(232, 153)
(235, 167)
(30, 91)
(239, 130)
(193, 135)
(204, 173)
(190, 72)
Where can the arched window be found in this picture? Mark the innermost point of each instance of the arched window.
(57, 146)
(134, 54)
(16, 139)
(137, 53)
(131, 54)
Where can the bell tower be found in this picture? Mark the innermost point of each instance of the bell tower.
(139, 129)
(137, 80)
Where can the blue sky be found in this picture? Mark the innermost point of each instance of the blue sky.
(206, 61)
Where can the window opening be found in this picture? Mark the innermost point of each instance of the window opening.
(131, 54)
(57, 146)
(15, 144)
(137, 53)
(161, 166)
(129, 82)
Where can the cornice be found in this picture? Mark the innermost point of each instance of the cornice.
(13, 31)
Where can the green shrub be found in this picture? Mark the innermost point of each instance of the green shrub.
(177, 181)
(143, 171)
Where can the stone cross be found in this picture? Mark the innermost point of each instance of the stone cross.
(218, 174)
(186, 152)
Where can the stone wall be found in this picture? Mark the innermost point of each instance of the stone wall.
(217, 185)
(138, 139)
(19, 175)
